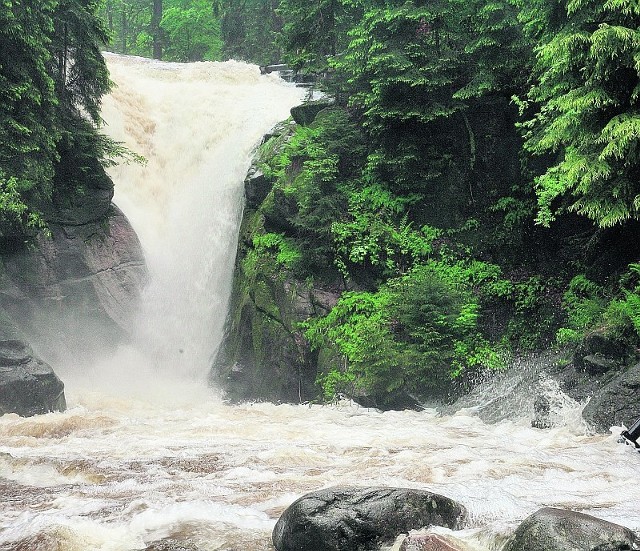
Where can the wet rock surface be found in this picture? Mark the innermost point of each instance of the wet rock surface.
(430, 542)
(550, 529)
(28, 386)
(349, 518)
(78, 286)
(617, 403)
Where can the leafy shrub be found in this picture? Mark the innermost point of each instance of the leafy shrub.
(584, 304)
(623, 314)
(415, 333)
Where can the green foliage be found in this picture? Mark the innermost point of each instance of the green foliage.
(415, 333)
(52, 78)
(79, 71)
(285, 252)
(623, 313)
(587, 89)
(377, 237)
(191, 31)
(249, 29)
(313, 174)
(28, 103)
(584, 303)
(313, 32)
(188, 30)
(17, 221)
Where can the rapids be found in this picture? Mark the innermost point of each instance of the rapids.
(146, 452)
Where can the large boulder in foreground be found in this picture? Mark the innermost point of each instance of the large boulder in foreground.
(28, 386)
(617, 403)
(552, 529)
(360, 519)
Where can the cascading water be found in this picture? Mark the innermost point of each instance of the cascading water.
(121, 470)
(196, 125)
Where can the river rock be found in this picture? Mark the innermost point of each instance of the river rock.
(617, 403)
(28, 386)
(349, 518)
(599, 353)
(430, 542)
(169, 544)
(551, 529)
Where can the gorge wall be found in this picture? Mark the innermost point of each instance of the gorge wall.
(67, 298)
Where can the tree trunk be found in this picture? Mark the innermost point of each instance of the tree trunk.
(156, 31)
(125, 30)
(109, 10)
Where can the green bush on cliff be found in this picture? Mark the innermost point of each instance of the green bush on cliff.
(415, 333)
(312, 176)
(622, 315)
(286, 254)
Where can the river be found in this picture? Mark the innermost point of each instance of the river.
(147, 453)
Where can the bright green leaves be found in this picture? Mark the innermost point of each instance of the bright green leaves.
(176, 30)
(415, 333)
(376, 235)
(587, 88)
(191, 32)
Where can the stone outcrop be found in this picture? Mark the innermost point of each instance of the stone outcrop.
(431, 542)
(552, 529)
(347, 518)
(599, 353)
(306, 112)
(617, 403)
(265, 355)
(76, 288)
(28, 386)
(70, 295)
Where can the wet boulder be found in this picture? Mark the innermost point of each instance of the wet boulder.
(77, 289)
(431, 542)
(349, 518)
(28, 386)
(551, 529)
(305, 113)
(169, 544)
(600, 353)
(617, 403)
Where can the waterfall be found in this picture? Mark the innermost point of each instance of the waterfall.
(123, 471)
(196, 125)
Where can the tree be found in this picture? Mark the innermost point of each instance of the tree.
(249, 29)
(156, 31)
(27, 113)
(79, 71)
(192, 31)
(587, 90)
(313, 32)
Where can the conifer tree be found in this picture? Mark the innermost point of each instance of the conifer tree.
(587, 88)
(28, 134)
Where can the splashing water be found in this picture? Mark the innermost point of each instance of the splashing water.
(166, 461)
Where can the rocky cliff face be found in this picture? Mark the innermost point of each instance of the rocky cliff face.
(265, 355)
(69, 297)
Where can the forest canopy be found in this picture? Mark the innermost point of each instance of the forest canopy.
(474, 187)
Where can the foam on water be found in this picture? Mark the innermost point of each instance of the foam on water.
(147, 453)
(222, 474)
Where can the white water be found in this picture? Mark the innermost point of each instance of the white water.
(146, 453)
